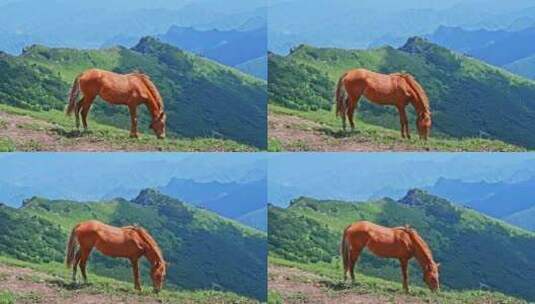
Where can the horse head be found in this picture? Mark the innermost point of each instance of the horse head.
(424, 124)
(158, 125)
(431, 276)
(157, 275)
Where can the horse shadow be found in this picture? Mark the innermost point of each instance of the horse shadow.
(70, 134)
(338, 285)
(68, 285)
(337, 133)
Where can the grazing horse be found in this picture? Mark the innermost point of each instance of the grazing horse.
(402, 243)
(130, 242)
(397, 89)
(130, 90)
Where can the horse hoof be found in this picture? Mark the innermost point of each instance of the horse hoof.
(134, 136)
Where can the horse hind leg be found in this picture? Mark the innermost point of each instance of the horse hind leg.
(77, 112)
(353, 259)
(352, 106)
(84, 257)
(75, 265)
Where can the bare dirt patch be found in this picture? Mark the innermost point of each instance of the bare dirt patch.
(29, 286)
(298, 134)
(297, 286)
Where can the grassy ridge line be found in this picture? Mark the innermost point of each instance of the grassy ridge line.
(382, 135)
(332, 273)
(107, 286)
(115, 138)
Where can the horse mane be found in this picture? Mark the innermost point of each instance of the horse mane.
(421, 245)
(151, 87)
(417, 88)
(147, 238)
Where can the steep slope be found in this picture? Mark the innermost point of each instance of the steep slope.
(202, 98)
(205, 251)
(468, 98)
(309, 232)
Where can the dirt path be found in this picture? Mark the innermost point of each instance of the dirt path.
(298, 134)
(26, 133)
(297, 286)
(28, 286)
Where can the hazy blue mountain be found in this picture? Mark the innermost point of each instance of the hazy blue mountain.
(497, 47)
(240, 201)
(90, 24)
(524, 67)
(498, 199)
(359, 177)
(359, 24)
(86, 177)
(232, 47)
(524, 219)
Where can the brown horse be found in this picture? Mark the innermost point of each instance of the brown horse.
(130, 89)
(401, 243)
(130, 242)
(395, 89)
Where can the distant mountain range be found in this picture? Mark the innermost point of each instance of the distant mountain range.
(487, 252)
(202, 98)
(334, 23)
(192, 240)
(512, 50)
(83, 24)
(244, 202)
(512, 202)
(468, 98)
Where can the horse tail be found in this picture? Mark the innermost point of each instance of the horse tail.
(340, 96)
(345, 249)
(155, 94)
(71, 248)
(419, 91)
(73, 95)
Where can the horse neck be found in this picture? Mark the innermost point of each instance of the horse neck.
(420, 108)
(422, 253)
(152, 256)
(154, 108)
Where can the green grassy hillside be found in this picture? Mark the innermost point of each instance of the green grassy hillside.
(33, 283)
(468, 98)
(28, 130)
(205, 250)
(202, 98)
(475, 251)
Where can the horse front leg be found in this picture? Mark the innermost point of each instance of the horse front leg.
(135, 270)
(133, 120)
(405, 273)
